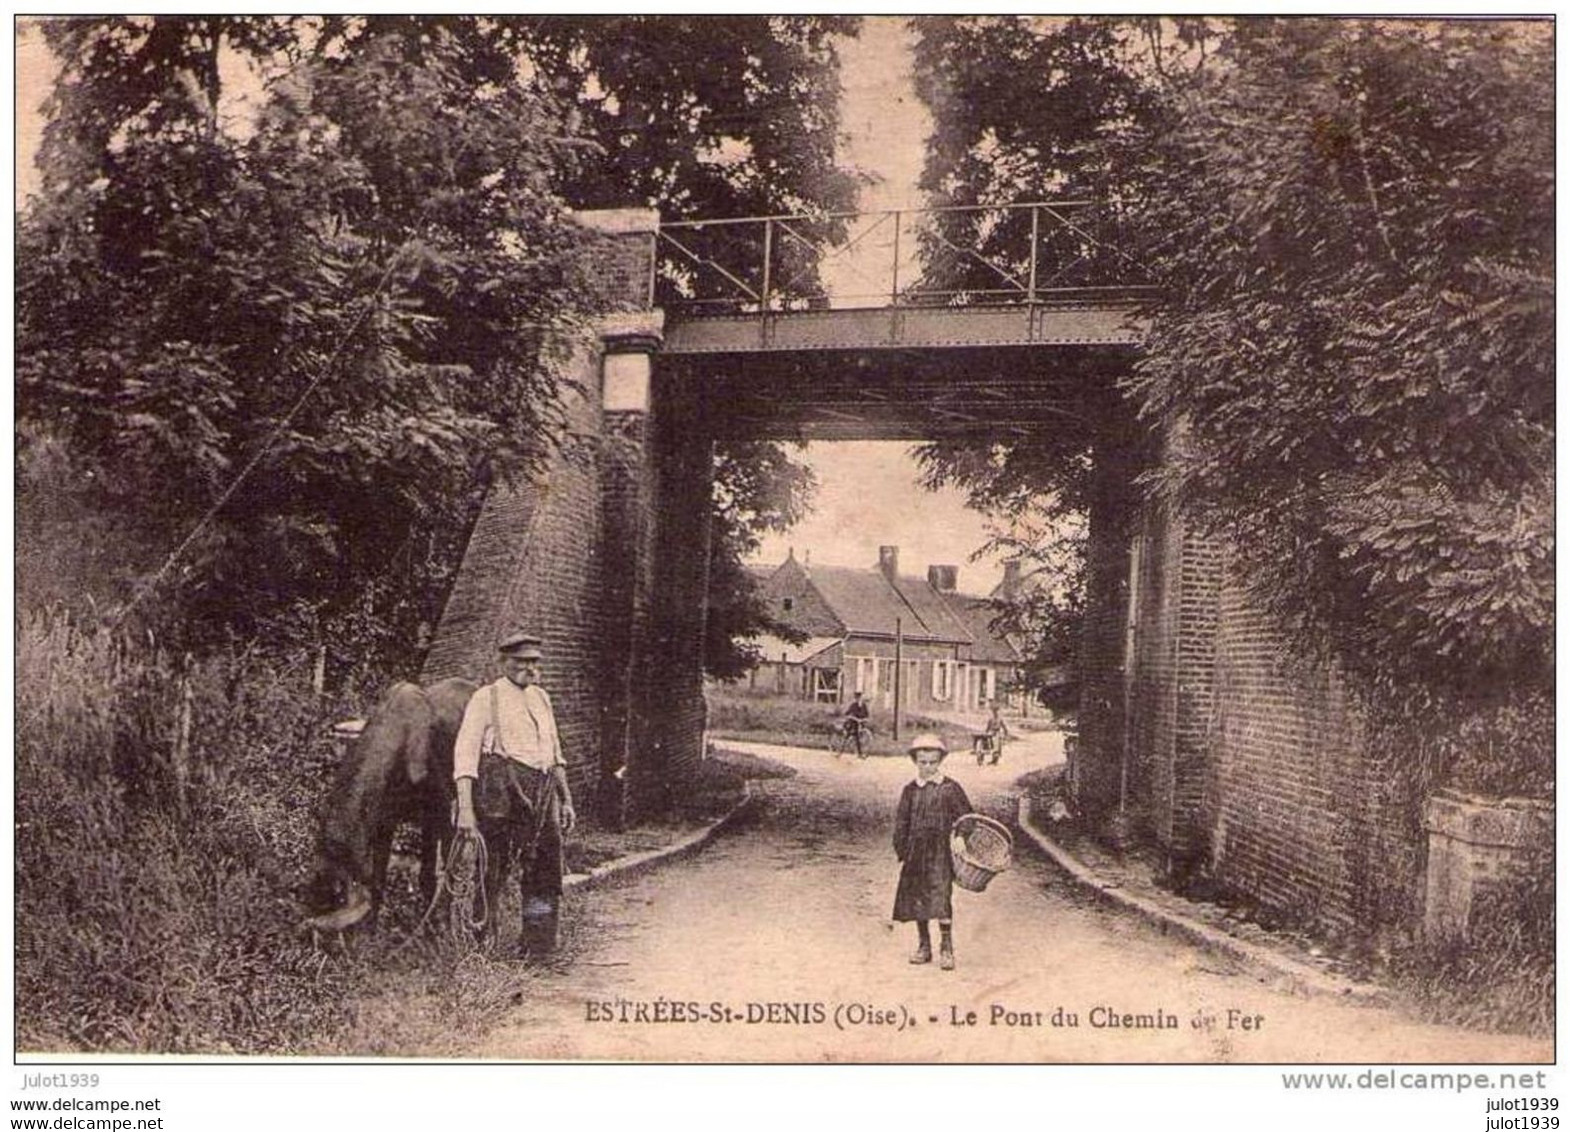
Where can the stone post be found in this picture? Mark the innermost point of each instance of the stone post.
(1475, 843)
(628, 509)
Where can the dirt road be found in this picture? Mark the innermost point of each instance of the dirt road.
(774, 944)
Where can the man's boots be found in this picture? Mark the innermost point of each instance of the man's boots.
(946, 947)
(923, 952)
(540, 934)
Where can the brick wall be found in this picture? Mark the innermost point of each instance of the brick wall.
(1299, 810)
(683, 477)
(528, 565)
(1176, 618)
(605, 554)
(1191, 780)
(1153, 724)
(628, 533)
(1247, 767)
(1097, 772)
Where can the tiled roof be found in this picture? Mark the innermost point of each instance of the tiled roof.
(977, 614)
(933, 609)
(866, 603)
(863, 601)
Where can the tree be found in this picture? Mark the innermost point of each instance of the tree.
(700, 116)
(322, 320)
(1350, 367)
(758, 489)
(1032, 109)
(1354, 360)
(313, 330)
(711, 117)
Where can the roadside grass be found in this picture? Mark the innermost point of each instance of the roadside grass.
(737, 714)
(436, 994)
(166, 814)
(1502, 981)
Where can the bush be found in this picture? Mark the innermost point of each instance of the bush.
(156, 875)
(1503, 749)
(1501, 979)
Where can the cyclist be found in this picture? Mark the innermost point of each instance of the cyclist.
(855, 726)
(989, 743)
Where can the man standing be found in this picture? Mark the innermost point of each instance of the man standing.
(510, 776)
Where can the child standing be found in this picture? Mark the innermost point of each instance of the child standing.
(928, 808)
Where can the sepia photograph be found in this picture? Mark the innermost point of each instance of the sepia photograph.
(785, 540)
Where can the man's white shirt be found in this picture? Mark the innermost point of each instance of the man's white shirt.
(523, 728)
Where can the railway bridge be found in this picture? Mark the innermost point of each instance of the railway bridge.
(1199, 732)
(887, 325)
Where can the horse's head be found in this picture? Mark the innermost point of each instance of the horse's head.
(334, 897)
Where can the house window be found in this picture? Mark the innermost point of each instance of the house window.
(788, 602)
(989, 684)
(942, 679)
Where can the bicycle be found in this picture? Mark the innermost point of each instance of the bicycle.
(988, 747)
(852, 731)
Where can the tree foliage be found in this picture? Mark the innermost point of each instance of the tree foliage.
(700, 115)
(1351, 363)
(314, 327)
(703, 116)
(1025, 109)
(759, 489)
(1354, 226)
(302, 275)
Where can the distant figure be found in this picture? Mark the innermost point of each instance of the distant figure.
(988, 745)
(928, 809)
(856, 726)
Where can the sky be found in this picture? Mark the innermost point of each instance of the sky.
(867, 494)
(33, 68)
(867, 498)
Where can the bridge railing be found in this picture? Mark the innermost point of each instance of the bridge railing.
(1061, 252)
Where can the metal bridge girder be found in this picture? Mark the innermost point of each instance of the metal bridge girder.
(1114, 322)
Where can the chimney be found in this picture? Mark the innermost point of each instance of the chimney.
(1010, 584)
(944, 579)
(888, 562)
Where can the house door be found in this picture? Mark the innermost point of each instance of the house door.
(826, 685)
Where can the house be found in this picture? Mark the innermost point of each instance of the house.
(857, 620)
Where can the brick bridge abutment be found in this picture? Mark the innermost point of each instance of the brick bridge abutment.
(604, 553)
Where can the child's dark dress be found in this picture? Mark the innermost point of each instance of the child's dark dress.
(921, 840)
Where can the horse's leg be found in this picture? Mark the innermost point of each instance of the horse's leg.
(381, 855)
(435, 835)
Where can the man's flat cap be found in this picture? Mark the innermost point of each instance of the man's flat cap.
(524, 646)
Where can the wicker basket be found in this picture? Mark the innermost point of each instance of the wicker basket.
(981, 849)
